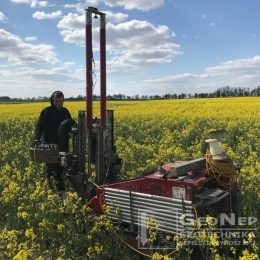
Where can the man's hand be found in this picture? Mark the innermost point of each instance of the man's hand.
(35, 142)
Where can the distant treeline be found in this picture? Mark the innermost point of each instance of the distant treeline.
(221, 92)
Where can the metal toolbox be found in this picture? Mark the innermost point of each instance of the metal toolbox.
(45, 153)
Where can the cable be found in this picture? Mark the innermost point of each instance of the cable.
(223, 172)
(196, 218)
(94, 73)
(126, 243)
(131, 247)
(34, 155)
(150, 256)
(89, 202)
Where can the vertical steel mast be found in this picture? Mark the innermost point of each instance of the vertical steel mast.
(89, 58)
(103, 70)
(95, 133)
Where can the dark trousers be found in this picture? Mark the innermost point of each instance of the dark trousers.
(55, 170)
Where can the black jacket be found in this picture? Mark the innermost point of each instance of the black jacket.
(49, 122)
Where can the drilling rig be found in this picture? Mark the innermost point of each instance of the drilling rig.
(174, 189)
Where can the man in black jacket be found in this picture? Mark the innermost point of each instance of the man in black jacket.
(47, 129)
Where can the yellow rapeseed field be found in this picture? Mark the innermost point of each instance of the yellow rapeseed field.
(36, 224)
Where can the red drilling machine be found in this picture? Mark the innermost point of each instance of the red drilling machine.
(168, 193)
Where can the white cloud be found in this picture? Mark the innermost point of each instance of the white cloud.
(116, 17)
(21, 1)
(71, 6)
(138, 44)
(253, 35)
(79, 7)
(15, 51)
(31, 82)
(171, 79)
(33, 3)
(69, 64)
(3, 18)
(134, 44)
(54, 74)
(42, 15)
(31, 39)
(212, 24)
(36, 3)
(143, 5)
(72, 22)
(243, 66)
(235, 73)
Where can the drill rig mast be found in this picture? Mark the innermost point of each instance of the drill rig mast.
(92, 135)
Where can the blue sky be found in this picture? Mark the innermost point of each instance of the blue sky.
(153, 46)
